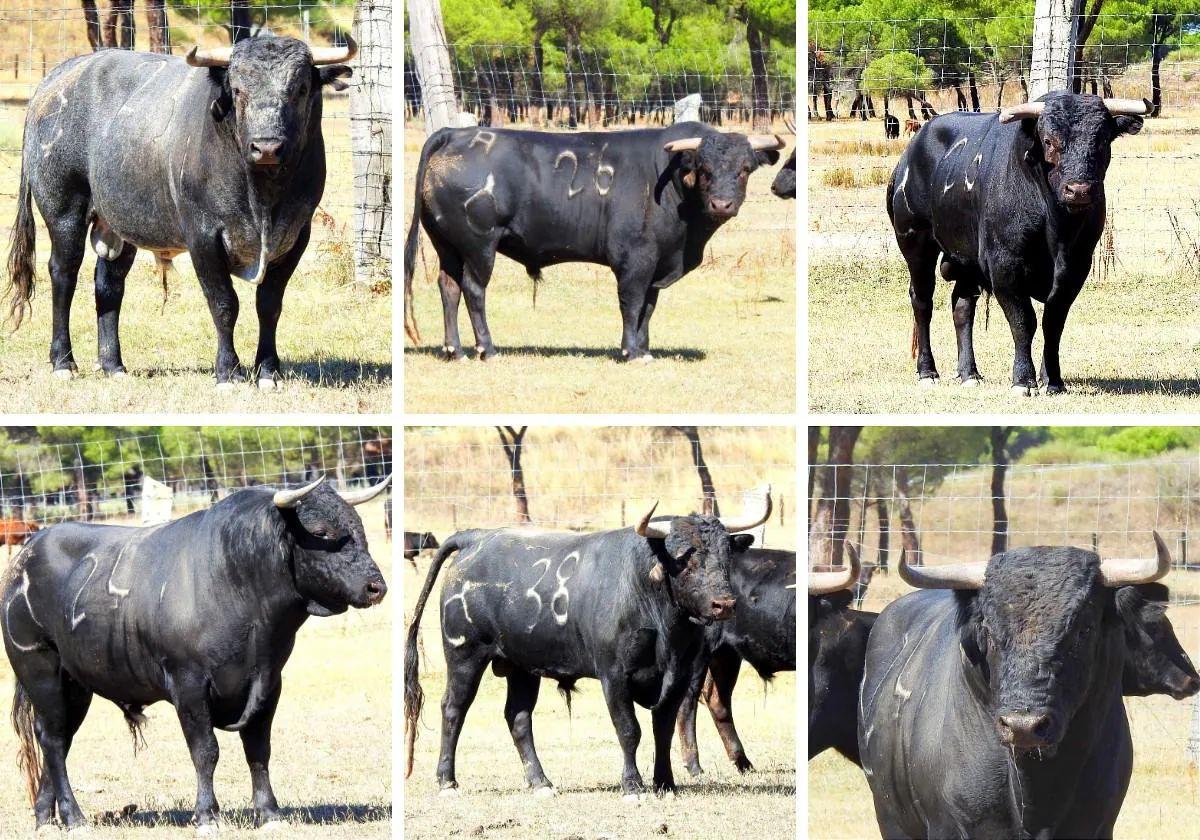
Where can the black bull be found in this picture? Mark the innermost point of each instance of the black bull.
(219, 155)
(995, 710)
(762, 632)
(201, 612)
(1014, 206)
(625, 607)
(644, 203)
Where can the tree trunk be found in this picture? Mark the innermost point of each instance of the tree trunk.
(157, 27)
(832, 518)
(909, 538)
(118, 30)
(1053, 60)
(870, 107)
(974, 90)
(885, 533)
(814, 441)
(827, 95)
(1160, 51)
(427, 36)
(912, 114)
(760, 106)
(960, 98)
(535, 84)
(92, 20)
(511, 438)
(707, 489)
(239, 22)
(1000, 462)
(371, 140)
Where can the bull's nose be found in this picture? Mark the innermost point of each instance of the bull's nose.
(722, 608)
(721, 206)
(1190, 686)
(376, 589)
(1077, 193)
(265, 152)
(1027, 730)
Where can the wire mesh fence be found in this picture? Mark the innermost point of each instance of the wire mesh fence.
(61, 474)
(591, 87)
(35, 37)
(860, 70)
(593, 479)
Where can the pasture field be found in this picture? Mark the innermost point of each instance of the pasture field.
(723, 336)
(334, 335)
(1131, 343)
(1164, 793)
(331, 750)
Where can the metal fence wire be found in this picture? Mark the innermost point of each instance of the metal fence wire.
(35, 37)
(592, 87)
(858, 70)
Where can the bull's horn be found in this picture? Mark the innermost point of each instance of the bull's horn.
(956, 576)
(335, 55)
(218, 57)
(291, 498)
(753, 516)
(825, 583)
(763, 142)
(689, 144)
(1022, 111)
(1131, 107)
(651, 532)
(1130, 572)
(358, 497)
(791, 126)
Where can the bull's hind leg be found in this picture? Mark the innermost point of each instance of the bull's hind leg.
(476, 275)
(685, 724)
(189, 694)
(67, 224)
(724, 668)
(462, 682)
(1008, 278)
(256, 743)
(920, 252)
(213, 273)
(268, 303)
(637, 300)
(963, 299)
(110, 290)
(629, 732)
(518, 712)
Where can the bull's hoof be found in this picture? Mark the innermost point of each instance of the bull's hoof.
(1051, 390)
(208, 830)
(927, 382)
(226, 387)
(276, 825)
(644, 359)
(64, 373)
(267, 384)
(449, 793)
(46, 828)
(696, 772)
(667, 794)
(970, 382)
(486, 354)
(453, 354)
(634, 798)
(545, 792)
(1021, 391)
(119, 373)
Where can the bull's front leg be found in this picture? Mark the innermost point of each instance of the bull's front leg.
(189, 694)
(1022, 321)
(256, 743)
(217, 286)
(110, 291)
(629, 733)
(268, 301)
(637, 300)
(662, 721)
(686, 721)
(1054, 320)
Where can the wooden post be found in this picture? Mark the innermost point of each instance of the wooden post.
(371, 140)
(1055, 30)
(427, 35)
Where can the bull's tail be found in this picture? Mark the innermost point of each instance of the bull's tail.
(414, 697)
(22, 243)
(914, 337)
(29, 754)
(436, 141)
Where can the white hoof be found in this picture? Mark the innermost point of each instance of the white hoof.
(928, 382)
(271, 826)
(208, 830)
(1020, 391)
(64, 373)
(646, 359)
(226, 387)
(970, 383)
(449, 793)
(267, 385)
(545, 792)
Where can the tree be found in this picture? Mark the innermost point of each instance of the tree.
(898, 74)
(1007, 443)
(91, 20)
(118, 29)
(512, 439)
(827, 534)
(156, 25)
(707, 489)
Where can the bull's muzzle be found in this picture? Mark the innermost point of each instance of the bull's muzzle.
(721, 609)
(1078, 195)
(266, 151)
(375, 591)
(722, 208)
(1028, 731)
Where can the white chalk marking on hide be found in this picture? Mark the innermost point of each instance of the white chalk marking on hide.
(456, 641)
(487, 138)
(567, 154)
(23, 592)
(949, 186)
(76, 616)
(561, 591)
(902, 692)
(531, 592)
(962, 141)
(604, 169)
(966, 174)
(137, 537)
(161, 590)
(486, 190)
(903, 184)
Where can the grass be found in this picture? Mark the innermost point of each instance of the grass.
(1131, 344)
(334, 336)
(724, 336)
(331, 749)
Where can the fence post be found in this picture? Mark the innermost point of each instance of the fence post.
(1055, 29)
(1194, 740)
(371, 140)
(427, 35)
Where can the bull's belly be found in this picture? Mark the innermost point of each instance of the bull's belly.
(545, 252)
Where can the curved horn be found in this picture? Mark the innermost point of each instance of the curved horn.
(1130, 572)
(1130, 107)
(689, 144)
(335, 55)
(358, 497)
(218, 57)
(750, 518)
(291, 498)
(762, 142)
(791, 125)
(956, 576)
(651, 532)
(825, 583)
(1022, 111)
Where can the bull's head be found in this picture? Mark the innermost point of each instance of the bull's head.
(1070, 137)
(692, 557)
(717, 166)
(330, 563)
(272, 89)
(1157, 663)
(1043, 630)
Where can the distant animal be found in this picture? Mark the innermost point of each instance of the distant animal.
(416, 541)
(762, 632)
(644, 203)
(891, 127)
(1009, 670)
(16, 531)
(218, 154)
(201, 613)
(626, 607)
(1011, 205)
(911, 127)
(784, 185)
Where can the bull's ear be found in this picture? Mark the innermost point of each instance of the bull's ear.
(972, 638)
(740, 542)
(686, 161)
(1127, 124)
(767, 157)
(333, 74)
(1139, 608)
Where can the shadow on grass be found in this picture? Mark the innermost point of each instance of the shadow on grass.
(685, 354)
(244, 817)
(766, 783)
(1164, 387)
(336, 373)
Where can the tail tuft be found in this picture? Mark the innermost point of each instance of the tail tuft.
(914, 339)
(29, 753)
(21, 253)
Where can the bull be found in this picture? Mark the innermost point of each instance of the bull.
(1013, 205)
(644, 203)
(417, 541)
(991, 700)
(891, 127)
(219, 155)
(626, 607)
(16, 532)
(762, 632)
(201, 613)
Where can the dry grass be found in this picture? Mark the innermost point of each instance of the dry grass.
(331, 749)
(580, 753)
(731, 318)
